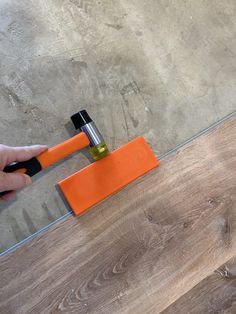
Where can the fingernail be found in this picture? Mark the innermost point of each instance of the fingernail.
(28, 180)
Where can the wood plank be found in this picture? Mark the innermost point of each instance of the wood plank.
(214, 294)
(140, 250)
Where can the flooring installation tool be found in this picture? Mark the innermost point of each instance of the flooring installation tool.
(88, 137)
(95, 182)
(109, 173)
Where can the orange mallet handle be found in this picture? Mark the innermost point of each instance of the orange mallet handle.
(50, 156)
(60, 151)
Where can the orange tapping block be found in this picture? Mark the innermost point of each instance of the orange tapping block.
(104, 177)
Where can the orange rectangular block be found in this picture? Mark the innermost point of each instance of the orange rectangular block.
(106, 176)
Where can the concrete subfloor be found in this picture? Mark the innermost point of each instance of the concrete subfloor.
(162, 69)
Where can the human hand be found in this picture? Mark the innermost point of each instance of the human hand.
(14, 181)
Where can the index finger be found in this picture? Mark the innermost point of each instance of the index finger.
(11, 154)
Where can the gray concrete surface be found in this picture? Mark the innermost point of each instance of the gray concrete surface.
(162, 69)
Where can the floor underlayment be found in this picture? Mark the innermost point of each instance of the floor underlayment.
(162, 69)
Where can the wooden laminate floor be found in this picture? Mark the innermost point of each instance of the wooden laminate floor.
(157, 245)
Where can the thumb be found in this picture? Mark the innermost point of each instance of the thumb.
(13, 181)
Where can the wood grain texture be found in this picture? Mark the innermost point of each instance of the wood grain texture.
(140, 250)
(214, 294)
